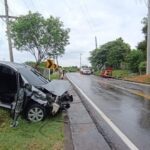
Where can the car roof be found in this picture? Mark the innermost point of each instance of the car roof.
(13, 65)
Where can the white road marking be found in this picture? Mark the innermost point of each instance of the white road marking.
(124, 138)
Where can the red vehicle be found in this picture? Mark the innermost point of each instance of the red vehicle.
(106, 73)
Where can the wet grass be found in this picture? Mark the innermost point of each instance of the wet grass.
(140, 79)
(45, 135)
(120, 73)
(54, 76)
(97, 73)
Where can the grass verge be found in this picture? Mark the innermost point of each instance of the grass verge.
(120, 73)
(45, 135)
(140, 79)
(54, 76)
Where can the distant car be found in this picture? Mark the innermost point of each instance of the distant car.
(24, 88)
(85, 70)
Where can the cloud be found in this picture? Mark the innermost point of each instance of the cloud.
(107, 20)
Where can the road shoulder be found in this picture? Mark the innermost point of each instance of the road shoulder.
(85, 135)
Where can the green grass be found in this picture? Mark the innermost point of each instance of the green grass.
(45, 135)
(97, 73)
(54, 76)
(116, 73)
(120, 73)
(147, 80)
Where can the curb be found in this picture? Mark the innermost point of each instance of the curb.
(68, 141)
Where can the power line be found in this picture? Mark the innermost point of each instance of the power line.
(12, 17)
(10, 10)
(86, 18)
(3, 20)
(2, 7)
(82, 12)
(26, 4)
(141, 1)
(32, 3)
(88, 13)
(7, 17)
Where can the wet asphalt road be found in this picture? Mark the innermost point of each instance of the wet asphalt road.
(129, 112)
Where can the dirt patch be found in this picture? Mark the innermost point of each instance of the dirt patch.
(35, 145)
(58, 146)
(140, 79)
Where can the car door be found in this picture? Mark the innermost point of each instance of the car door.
(8, 84)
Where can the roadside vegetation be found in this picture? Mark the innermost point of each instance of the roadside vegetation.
(54, 76)
(71, 69)
(126, 62)
(48, 134)
(121, 73)
(42, 37)
(141, 79)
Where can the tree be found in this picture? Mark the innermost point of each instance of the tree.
(143, 44)
(39, 36)
(58, 34)
(111, 53)
(98, 58)
(142, 67)
(117, 53)
(134, 58)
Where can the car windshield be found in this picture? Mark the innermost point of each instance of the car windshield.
(32, 76)
(86, 68)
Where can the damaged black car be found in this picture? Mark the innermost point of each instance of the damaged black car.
(25, 91)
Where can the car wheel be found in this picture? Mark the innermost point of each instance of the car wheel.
(35, 113)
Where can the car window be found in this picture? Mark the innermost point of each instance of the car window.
(6, 70)
(32, 76)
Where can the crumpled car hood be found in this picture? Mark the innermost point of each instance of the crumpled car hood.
(57, 87)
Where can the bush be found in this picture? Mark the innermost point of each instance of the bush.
(120, 73)
(142, 67)
(134, 58)
(97, 73)
(71, 69)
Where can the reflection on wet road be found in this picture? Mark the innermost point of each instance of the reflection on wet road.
(129, 112)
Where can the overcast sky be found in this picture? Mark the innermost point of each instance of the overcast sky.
(105, 19)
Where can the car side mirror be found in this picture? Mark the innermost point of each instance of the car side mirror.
(28, 86)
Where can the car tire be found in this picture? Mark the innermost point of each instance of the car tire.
(35, 113)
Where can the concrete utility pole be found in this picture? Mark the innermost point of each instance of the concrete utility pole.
(8, 32)
(6, 16)
(148, 40)
(95, 42)
(80, 60)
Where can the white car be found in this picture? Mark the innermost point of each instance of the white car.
(85, 70)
